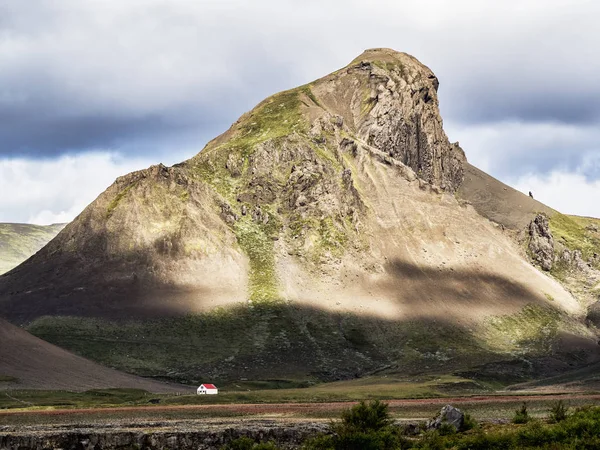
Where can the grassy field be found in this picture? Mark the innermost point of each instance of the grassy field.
(135, 406)
(275, 391)
(430, 389)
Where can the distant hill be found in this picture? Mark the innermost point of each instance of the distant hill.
(18, 241)
(331, 233)
(27, 362)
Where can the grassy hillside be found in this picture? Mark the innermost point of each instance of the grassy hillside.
(577, 233)
(27, 362)
(18, 241)
(278, 342)
(281, 345)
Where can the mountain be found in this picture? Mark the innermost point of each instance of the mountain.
(332, 232)
(18, 241)
(27, 362)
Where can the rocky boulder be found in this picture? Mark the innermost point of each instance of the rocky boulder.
(541, 242)
(573, 259)
(593, 314)
(448, 415)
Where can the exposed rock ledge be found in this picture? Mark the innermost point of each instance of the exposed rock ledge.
(156, 436)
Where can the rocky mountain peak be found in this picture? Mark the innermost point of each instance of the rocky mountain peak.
(384, 101)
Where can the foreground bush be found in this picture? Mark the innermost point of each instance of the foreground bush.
(245, 443)
(558, 411)
(521, 414)
(580, 430)
(368, 426)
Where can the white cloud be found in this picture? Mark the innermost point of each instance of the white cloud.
(509, 149)
(569, 193)
(139, 57)
(54, 191)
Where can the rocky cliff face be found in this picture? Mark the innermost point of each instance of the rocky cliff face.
(403, 118)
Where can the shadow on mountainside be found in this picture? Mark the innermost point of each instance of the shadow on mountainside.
(148, 328)
(288, 342)
(460, 294)
(127, 287)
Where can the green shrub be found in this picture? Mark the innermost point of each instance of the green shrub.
(487, 441)
(320, 442)
(469, 423)
(446, 429)
(360, 441)
(534, 435)
(366, 426)
(432, 440)
(366, 417)
(521, 414)
(265, 446)
(579, 430)
(243, 443)
(246, 443)
(558, 411)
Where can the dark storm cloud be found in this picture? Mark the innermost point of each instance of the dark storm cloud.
(143, 78)
(491, 103)
(95, 74)
(39, 136)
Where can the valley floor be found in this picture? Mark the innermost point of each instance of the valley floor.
(137, 419)
(487, 408)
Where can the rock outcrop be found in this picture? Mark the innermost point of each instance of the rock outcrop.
(403, 117)
(572, 259)
(168, 436)
(449, 415)
(541, 242)
(548, 253)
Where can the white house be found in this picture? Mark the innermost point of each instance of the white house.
(207, 389)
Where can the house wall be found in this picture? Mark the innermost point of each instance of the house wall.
(207, 391)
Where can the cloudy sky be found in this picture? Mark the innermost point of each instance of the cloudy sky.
(92, 89)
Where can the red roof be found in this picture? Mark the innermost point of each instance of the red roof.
(209, 386)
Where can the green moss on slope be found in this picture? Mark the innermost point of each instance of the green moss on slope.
(306, 89)
(277, 116)
(571, 232)
(116, 200)
(8, 379)
(267, 341)
(256, 240)
(575, 233)
(531, 330)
